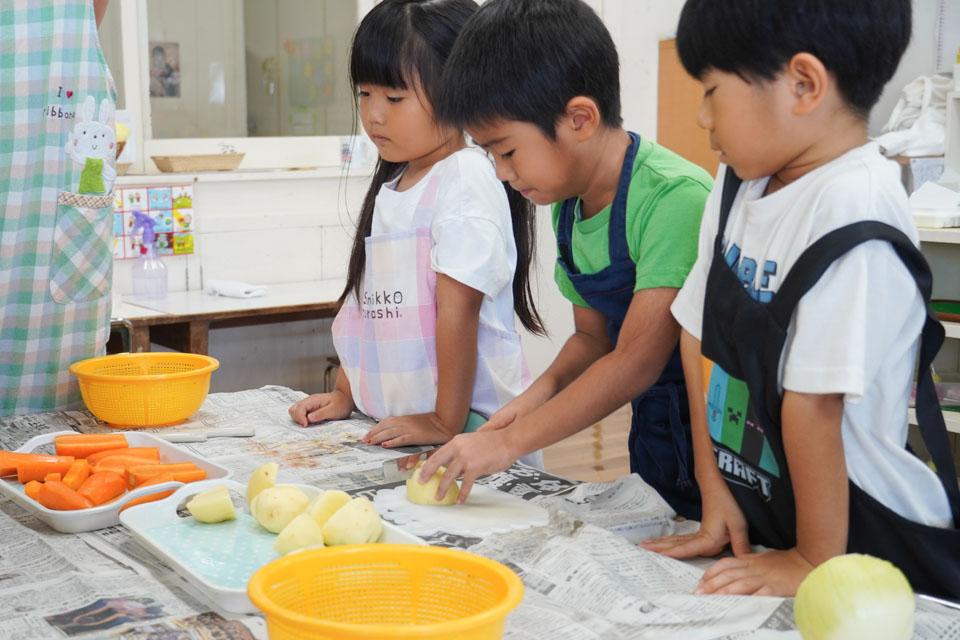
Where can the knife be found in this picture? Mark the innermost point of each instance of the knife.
(201, 436)
(391, 468)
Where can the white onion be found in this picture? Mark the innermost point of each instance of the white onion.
(855, 597)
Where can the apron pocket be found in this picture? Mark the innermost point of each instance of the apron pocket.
(82, 264)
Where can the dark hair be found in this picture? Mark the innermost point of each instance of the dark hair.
(860, 42)
(397, 43)
(524, 60)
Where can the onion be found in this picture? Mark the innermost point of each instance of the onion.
(855, 597)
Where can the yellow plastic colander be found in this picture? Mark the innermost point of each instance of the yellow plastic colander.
(380, 591)
(144, 389)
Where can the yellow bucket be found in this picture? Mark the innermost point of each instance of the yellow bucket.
(380, 591)
(144, 389)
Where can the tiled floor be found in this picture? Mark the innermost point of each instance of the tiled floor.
(597, 454)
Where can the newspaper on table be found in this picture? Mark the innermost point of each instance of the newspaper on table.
(584, 576)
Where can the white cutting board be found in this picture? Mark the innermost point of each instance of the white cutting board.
(486, 511)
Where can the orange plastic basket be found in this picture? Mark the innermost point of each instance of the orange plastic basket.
(144, 389)
(381, 591)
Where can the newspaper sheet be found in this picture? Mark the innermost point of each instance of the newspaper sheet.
(584, 576)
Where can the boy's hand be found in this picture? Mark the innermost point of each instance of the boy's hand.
(723, 522)
(335, 405)
(469, 455)
(400, 431)
(770, 573)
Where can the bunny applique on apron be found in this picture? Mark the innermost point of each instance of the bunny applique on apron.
(57, 168)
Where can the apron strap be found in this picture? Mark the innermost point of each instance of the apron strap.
(617, 245)
(808, 269)
(731, 185)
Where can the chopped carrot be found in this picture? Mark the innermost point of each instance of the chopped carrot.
(182, 472)
(32, 489)
(38, 467)
(103, 486)
(9, 460)
(58, 496)
(52, 477)
(163, 477)
(81, 445)
(146, 453)
(79, 471)
(120, 464)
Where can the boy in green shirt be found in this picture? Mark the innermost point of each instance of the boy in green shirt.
(536, 83)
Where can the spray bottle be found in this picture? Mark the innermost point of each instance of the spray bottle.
(149, 273)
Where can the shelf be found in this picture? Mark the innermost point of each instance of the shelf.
(241, 175)
(951, 418)
(948, 235)
(953, 329)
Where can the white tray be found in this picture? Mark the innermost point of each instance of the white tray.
(105, 515)
(218, 559)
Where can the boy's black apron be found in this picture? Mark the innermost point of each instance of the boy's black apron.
(661, 449)
(744, 339)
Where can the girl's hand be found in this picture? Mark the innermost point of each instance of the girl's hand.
(508, 413)
(771, 573)
(400, 431)
(723, 522)
(335, 405)
(469, 455)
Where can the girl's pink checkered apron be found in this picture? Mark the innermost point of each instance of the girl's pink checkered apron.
(387, 344)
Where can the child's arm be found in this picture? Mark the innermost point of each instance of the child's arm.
(647, 339)
(458, 321)
(723, 521)
(336, 405)
(814, 450)
(588, 343)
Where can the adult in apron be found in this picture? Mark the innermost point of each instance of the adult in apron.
(744, 339)
(387, 343)
(57, 159)
(661, 449)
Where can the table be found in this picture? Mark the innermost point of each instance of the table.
(182, 321)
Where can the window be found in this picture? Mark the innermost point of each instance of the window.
(265, 77)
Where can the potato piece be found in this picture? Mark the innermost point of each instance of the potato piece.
(275, 507)
(356, 522)
(326, 504)
(426, 493)
(302, 531)
(212, 505)
(264, 477)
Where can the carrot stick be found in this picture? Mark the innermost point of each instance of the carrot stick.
(120, 464)
(56, 495)
(79, 471)
(100, 487)
(37, 468)
(81, 445)
(182, 471)
(52, 477)
(9, 460)
(163, 477)
(32, 489)
(146, 453)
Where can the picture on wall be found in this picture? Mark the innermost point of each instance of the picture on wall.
(164, 70)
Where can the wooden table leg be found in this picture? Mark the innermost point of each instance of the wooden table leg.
(139, 339)
(199, 336)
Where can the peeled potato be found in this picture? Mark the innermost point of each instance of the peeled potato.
(275, 507)
(264, 477)
(212, 505)
(356, 522)
(301, 532)
(426, 493)
(326, 504)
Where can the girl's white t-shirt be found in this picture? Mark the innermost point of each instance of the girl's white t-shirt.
(856, 331)
(471, 230)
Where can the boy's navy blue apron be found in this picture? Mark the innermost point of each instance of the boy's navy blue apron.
(744, 339)
(661, 449)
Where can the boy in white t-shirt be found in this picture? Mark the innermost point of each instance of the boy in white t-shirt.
(801, 319)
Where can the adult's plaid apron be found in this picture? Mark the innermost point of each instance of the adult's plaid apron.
(57, 159)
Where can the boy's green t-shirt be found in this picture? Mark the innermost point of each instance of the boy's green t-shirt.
(664, 206)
